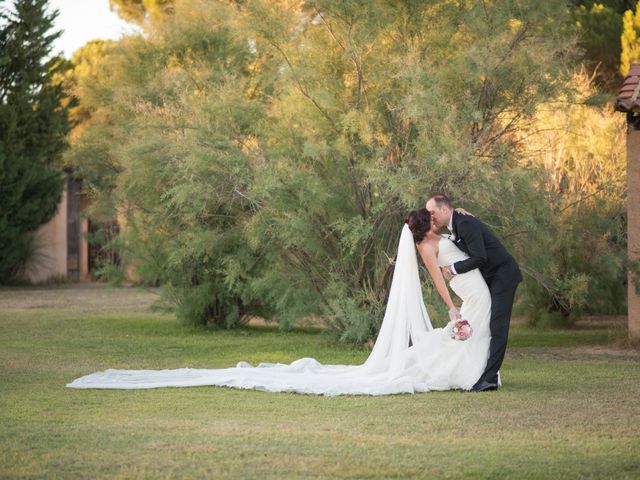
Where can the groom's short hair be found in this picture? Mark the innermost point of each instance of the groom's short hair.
(441, 199)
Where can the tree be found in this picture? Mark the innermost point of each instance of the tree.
(630, 41)
(172, 123)
(141, 10)
(577, 247)
(599, 27)
(33, 128)
(83, 73)
(378, 104)
(266, 152)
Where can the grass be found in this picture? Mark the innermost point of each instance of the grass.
(569, 407)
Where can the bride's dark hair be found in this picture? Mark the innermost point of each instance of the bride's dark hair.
(419, 222)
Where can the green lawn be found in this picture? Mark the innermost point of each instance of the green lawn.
(569, 407)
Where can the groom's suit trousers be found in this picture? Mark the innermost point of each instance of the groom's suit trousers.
(502, 287)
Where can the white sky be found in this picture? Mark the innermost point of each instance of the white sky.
(85, 20)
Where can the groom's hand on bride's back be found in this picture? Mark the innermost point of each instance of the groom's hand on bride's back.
(462, 211)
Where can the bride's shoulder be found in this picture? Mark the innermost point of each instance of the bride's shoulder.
(428, 246)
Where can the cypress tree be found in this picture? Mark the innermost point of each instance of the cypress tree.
(33, 128)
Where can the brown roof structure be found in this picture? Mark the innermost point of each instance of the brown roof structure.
(628, 100)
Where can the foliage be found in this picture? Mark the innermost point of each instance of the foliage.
(86, 69)
(33, 128)
(577, 249)
(263, 154)
(167, 149)
(599, 27)
(374, 109)
(142, 11)
(630, 41)
(85, 82)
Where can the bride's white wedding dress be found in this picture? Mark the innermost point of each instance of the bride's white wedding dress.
(433, 361)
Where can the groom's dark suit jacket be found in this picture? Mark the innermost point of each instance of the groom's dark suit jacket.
(485, 251)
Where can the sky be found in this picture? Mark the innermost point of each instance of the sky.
(85, 20)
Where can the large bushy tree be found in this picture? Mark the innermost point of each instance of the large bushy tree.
(33, 128)
(377, 105)
(265, 153)
(169, 148)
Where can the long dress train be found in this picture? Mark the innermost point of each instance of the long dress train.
(433, 361)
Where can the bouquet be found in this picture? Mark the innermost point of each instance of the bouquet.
(459, 330)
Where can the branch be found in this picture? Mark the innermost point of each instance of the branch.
(251, 200)
(549, 288)
(354, 58)
(301, 88)
(584, 198)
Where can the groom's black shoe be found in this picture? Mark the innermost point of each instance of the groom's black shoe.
(484, 386)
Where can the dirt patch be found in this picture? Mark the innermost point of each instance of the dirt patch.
(87, 296)
(601, 321)
(598, 350)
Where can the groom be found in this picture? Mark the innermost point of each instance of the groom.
(498, 267)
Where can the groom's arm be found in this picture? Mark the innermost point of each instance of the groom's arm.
(469, 230)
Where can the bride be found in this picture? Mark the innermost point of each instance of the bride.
(409, 355)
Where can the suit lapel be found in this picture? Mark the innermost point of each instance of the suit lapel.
(460, 243)
(454, 224)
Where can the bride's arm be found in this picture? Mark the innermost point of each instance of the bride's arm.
(431, 262)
